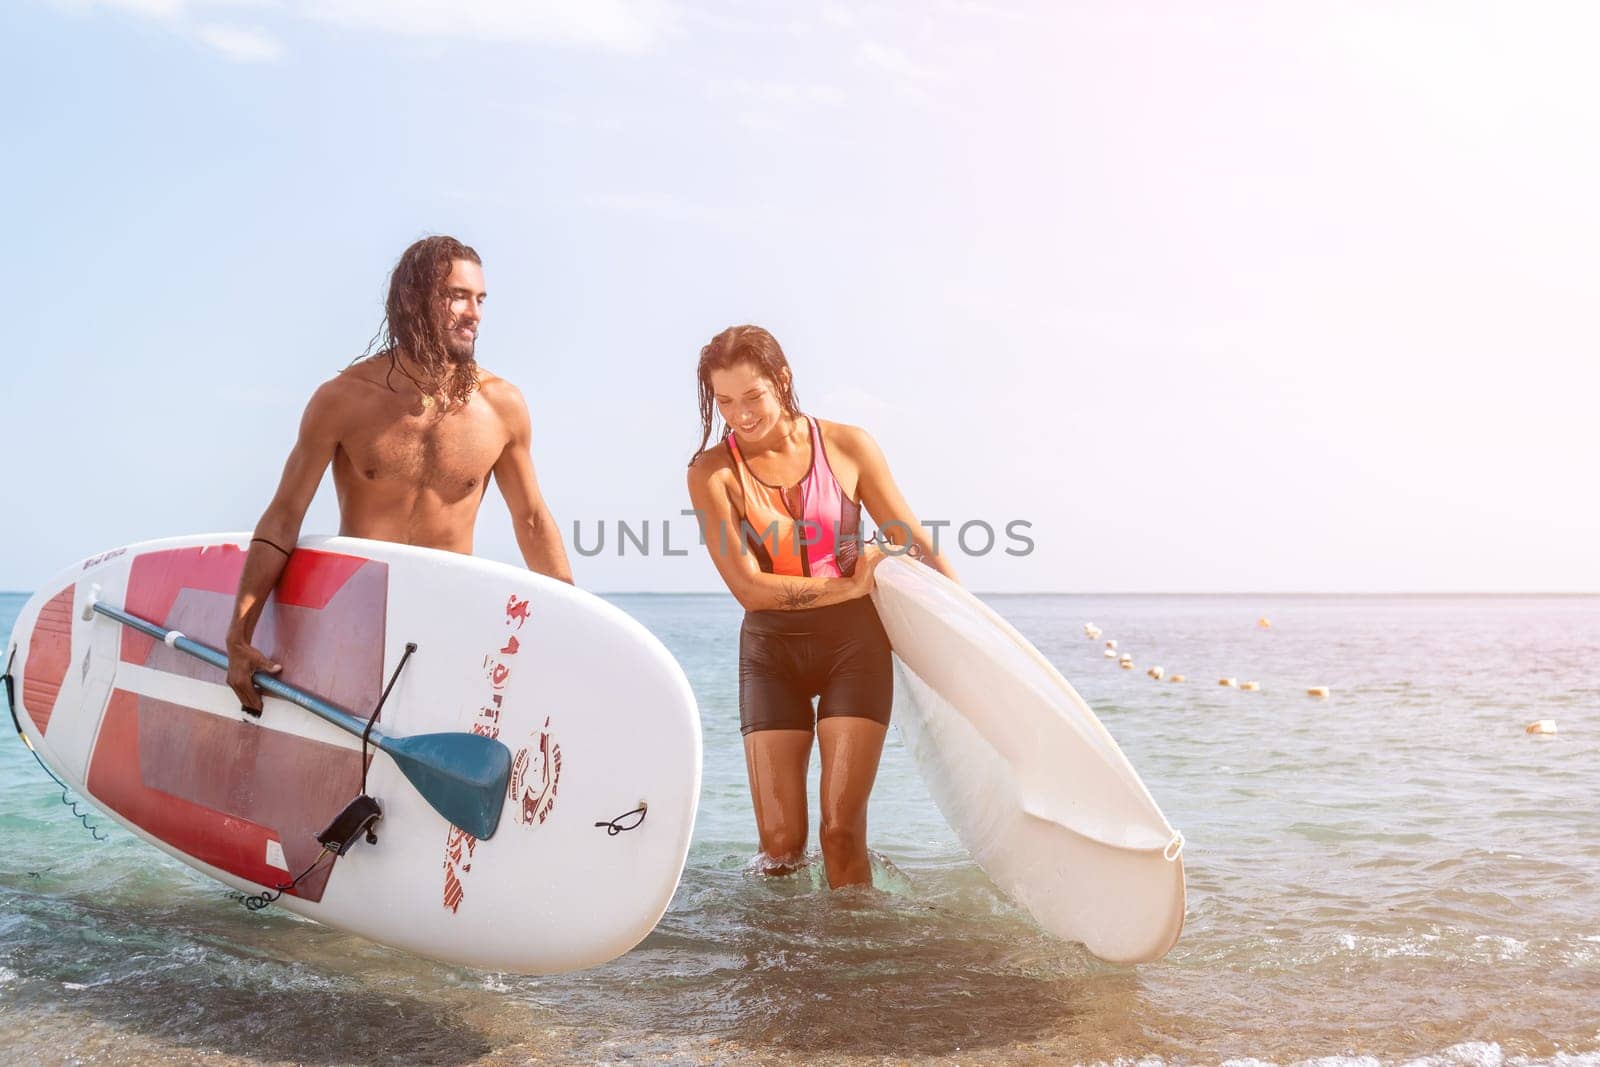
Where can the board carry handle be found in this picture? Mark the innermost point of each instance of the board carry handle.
(463, 776)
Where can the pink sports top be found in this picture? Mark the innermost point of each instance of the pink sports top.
(811, 529)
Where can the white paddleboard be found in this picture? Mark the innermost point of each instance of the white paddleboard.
(1031, 782)
(597, 715)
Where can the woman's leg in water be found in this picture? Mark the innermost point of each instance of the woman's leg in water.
(777, 761)
(851, 748)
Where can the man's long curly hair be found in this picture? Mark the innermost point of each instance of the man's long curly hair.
(415, 316)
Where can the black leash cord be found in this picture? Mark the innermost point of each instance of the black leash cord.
(614, 827)
(411, 646)
(67, 801)
(257, 901)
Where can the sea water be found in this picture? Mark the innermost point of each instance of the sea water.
(1395, 873)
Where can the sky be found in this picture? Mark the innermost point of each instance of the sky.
(1222, 297)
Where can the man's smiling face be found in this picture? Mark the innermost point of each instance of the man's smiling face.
(464, 297)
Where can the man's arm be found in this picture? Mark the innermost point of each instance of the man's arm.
(538, 537)
(275, 537)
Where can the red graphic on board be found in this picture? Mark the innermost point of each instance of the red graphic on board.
(458, 849)
(535, 774)
(458, 843)
(498, 673)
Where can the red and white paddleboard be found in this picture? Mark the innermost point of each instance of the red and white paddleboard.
(597, 715)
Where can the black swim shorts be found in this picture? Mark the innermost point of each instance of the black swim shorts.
(837, 653)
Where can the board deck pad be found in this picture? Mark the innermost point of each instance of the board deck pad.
(225, 790)
(50, 650)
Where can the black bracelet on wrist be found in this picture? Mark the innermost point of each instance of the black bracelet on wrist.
(271, 544)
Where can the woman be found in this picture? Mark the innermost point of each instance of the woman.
(779, 500)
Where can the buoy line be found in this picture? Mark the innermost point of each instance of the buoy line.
(1158, 673)
(1537, 728)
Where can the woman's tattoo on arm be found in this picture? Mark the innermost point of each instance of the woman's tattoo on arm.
(795, 596)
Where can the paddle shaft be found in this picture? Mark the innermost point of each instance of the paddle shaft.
(266, 682)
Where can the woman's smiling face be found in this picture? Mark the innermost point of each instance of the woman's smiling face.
(746, 399)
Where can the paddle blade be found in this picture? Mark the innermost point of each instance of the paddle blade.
(464, 776)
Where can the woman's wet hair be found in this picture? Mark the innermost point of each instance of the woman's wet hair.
(735, 345)
(416, 312)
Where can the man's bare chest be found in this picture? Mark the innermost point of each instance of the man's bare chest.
(453, 453)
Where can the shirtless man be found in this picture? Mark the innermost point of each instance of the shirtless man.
(413, 433)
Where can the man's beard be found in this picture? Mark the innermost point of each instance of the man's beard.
(459, 375)
(461, 353)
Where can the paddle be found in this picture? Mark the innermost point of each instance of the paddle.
(464, 776)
